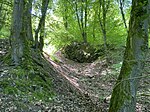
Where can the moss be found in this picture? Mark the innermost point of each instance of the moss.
(22, 83)
(29, 79)
(6, 59)
(124, 95)
(4, 83)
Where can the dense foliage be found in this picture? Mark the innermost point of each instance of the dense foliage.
(63, 24)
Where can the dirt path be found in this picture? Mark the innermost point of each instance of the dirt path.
(94, 79)
(88, 78)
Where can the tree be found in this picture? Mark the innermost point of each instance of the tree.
(121, 3)
(21, 30)
(124, 93)
(41, 26)
(65, 13)
(81, 14)
(103, 8)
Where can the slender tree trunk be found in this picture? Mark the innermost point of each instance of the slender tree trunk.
(104, 24)
(29, 24)
(124, 93)
(78, 19)
(123, 15)
(42, 35)
(41, 26)
(103, 6)
(85, 21)
(94, 22)
(77, 15)
(82, 20)
(93, 32)
(65, 18)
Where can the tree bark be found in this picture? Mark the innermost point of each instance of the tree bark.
(41, 26)
(21, 31)
(29, 23)
(124, 93)
(17, 31)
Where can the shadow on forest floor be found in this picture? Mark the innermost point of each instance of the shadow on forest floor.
(95, 79)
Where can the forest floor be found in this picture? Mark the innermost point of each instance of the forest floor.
(97, 80)
(94, 80)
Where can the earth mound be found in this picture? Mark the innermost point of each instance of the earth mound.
(82, 52)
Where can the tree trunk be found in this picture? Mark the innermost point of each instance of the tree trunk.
(124, 93)
(65, 16)
(21, 31)
(29, 23)
(85, 21)
(16, 32)
(103, 6)
(41, 26)
(122, 13)
(82, 20)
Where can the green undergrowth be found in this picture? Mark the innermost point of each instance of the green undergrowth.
(23, 83)
(29, 80)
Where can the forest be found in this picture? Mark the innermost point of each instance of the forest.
(74, 56)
